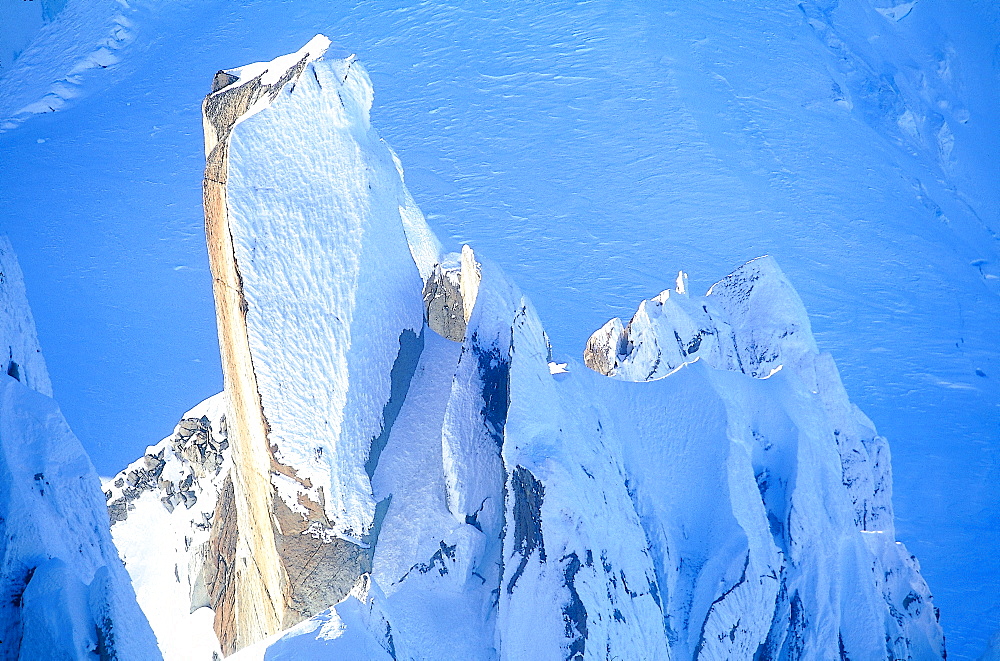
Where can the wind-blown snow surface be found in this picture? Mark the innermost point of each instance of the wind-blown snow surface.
(733, 507)
(321, 265)
(589, 149)
(63, 591)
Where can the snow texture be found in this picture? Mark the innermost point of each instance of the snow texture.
(64, 593)
(589, 149)
(22, 21)
(315, 203)
(85, 36)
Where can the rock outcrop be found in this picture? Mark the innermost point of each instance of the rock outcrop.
(300, 423)
(255, 606)
(173, 519)
(450, 296)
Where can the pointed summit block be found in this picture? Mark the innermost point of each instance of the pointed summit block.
(315, 284)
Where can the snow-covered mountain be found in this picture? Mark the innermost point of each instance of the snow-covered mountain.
(64, 593)
(398, 468)
(592, 149)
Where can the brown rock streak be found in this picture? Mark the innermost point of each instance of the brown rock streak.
(255, 585)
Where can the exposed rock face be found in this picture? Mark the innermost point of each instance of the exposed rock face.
(186, 483)
(443, 300)
(63, 591)
(203, 454)
(259, 581)
(450, 296)
(326, 567)
(217, 570)
(606, 348)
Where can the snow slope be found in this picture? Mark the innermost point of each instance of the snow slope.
(24, 359)
(752, 322)
(51, 48)
(65, 593)
(22, 21)
(695, 135)
(161, 507)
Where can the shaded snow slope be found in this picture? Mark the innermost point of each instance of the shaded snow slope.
(22, 20)
(22, 357)
(59, 44)
(64, 591)
(589, 150)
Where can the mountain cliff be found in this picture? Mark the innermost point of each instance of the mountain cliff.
(64, 593)
(398, 468)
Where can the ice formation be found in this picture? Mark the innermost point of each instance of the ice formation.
(64, 593)
(399, 470)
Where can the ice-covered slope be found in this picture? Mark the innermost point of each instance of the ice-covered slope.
(403, 471)
(63, 591)
(821, 470)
